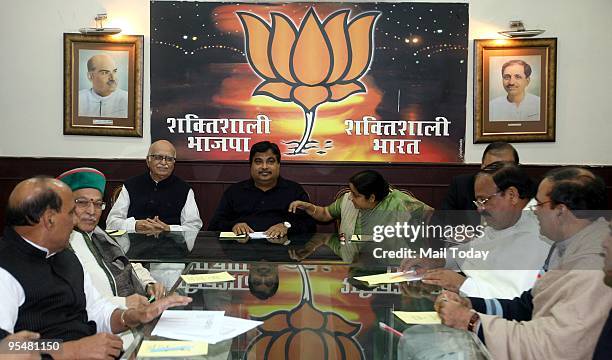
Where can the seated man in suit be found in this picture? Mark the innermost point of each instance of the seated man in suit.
(561, 316)
(156, 200)
(45, 289)
(101, 256)
(458, 205)
(261, 202)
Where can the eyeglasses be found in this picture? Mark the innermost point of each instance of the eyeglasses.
(538, 204)
(160, 158)
(480, 203)
(84, 203)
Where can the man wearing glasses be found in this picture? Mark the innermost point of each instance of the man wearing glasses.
(562, 316)
(119, 280)
(511, 236)
(156, 200)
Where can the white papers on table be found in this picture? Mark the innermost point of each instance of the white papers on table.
(389, 278)
(258, 235)
(418, 317)
(207, 278)
(196, 325)
(232, 327)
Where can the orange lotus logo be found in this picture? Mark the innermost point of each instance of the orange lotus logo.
(286, 334)
(317, 63)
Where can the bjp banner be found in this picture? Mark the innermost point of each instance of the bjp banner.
(378, 82)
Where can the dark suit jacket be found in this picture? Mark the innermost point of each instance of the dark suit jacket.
(603, 350)
(460, 193)
(457, 207)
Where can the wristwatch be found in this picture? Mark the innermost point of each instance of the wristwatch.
(287, 224)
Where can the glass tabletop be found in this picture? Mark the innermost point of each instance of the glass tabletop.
(305, 293)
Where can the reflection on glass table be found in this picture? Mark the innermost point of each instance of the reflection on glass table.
(308, 311)
(304, 293)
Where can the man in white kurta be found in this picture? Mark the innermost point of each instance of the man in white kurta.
(516, 251)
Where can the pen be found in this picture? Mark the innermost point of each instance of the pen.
(151, 299)
(389, 329)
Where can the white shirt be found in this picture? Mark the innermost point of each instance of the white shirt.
(117, 217)
(500, 109)
(98, 308)
(516, 256)
(113, 105)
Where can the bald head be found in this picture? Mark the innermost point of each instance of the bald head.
(41, 210)
(31, 198)
(102, 72)
(162, 145)
(160, 159)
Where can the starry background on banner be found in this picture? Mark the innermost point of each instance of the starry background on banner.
(419, 66)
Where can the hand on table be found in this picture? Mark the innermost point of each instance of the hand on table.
(276, 231)
(135, 300)
(156, 289)
(242, 229)
(145, 314)
(448, 279)
(100, 346)
(151, 225)
(24, 335)
(454, 311)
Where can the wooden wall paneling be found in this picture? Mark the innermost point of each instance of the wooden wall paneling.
(209, 180)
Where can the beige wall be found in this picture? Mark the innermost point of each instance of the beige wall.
(31, 84)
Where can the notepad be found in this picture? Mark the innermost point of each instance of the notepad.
(207, 278)
(389, 278)
(150, 348)
(230, 235)
(418, 317)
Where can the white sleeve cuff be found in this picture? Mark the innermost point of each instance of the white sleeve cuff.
(469, 287)
(176, 228)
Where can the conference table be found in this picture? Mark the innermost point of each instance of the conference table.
(302, 288)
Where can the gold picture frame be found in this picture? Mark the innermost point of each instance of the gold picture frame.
(103, 85)
(515, 89)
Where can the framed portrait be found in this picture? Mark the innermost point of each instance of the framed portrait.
(103, 85)
(514, 95)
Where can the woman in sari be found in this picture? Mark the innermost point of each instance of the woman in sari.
(370, 202)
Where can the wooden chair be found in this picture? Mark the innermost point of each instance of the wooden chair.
(115, 194)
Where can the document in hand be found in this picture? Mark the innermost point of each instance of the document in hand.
(209, 326)
(389, 278)
(207, 278)
(418, 317)
(167, 349)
